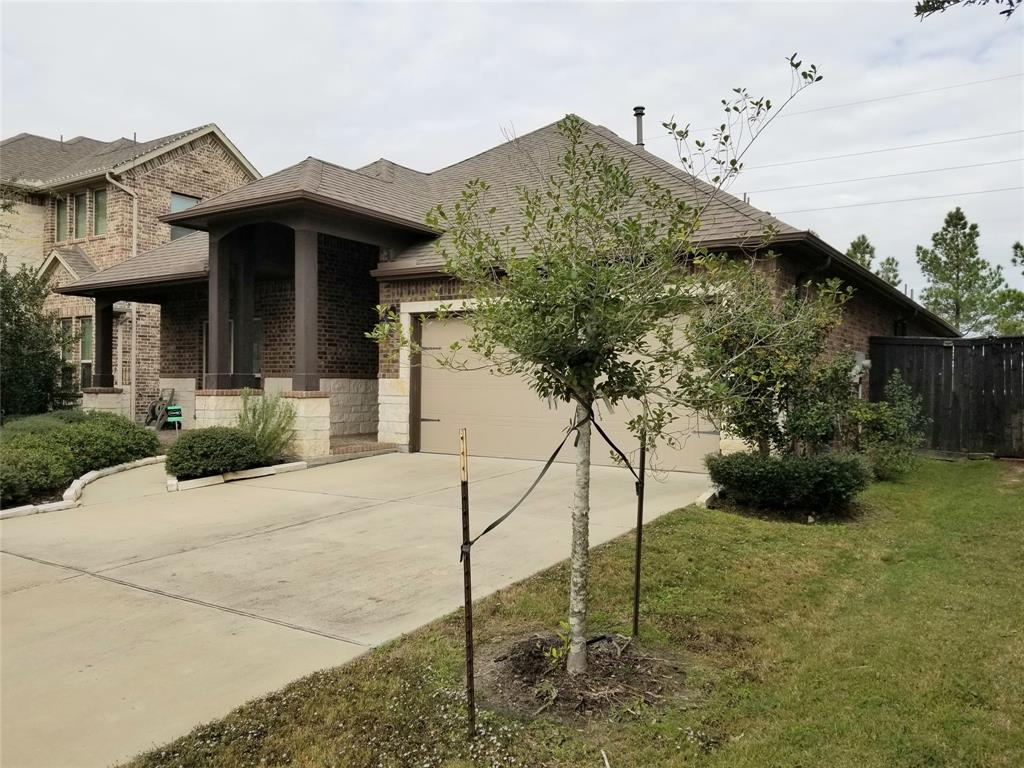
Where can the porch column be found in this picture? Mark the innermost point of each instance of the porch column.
(245, 309)
(103, 352)
(306, 376)
(218, 334)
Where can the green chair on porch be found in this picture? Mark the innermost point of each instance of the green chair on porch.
(174, 416)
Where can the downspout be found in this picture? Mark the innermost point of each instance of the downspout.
(135, 307)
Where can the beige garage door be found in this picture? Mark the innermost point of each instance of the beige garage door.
(505, 418)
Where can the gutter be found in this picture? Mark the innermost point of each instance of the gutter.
(135, 305)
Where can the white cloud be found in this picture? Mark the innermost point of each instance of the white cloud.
(428, 84)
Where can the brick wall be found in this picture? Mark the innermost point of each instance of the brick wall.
(347, 297)
(201, 168)
(393, 292)
(347, 308)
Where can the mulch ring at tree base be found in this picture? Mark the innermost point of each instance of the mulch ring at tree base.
(526, 677)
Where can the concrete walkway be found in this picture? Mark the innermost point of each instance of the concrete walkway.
(130, 620)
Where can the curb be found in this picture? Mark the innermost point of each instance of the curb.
(705, 498)
(73, 494)
(174, 484)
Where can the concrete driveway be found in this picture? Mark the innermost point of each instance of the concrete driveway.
(130, 620)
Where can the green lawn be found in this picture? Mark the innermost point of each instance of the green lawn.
(893, 640)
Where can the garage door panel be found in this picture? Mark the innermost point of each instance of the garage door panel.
(505, 418)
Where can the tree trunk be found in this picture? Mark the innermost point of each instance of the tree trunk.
(580, 562)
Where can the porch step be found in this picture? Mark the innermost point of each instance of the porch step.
(358, 444)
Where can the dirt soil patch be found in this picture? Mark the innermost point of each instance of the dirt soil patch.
(526, 677)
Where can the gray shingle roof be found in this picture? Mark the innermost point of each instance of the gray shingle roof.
(76, 260)
(392, 192)
(36, 161)
(180, 259)
(398, 197)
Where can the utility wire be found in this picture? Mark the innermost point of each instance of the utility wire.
(875, 99)
(901, 95)
(886, 149)
(901, 200)
(888, 175)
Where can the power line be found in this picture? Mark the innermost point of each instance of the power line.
(875, 99)
(886, 149)
(901, 95)
(901, 200)
(888, 175)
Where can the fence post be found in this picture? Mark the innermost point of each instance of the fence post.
(639, 535)
(467, 583)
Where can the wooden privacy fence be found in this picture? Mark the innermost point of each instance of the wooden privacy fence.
(972, 389)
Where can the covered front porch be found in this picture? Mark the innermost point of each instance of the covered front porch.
(278, 300)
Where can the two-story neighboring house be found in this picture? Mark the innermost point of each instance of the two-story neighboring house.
(84, 205)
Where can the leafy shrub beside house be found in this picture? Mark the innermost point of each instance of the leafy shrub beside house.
(890, 431)
(40, 455)
(212, 451)
(821, 483)
(270, 422)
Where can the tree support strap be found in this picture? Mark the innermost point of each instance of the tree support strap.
(467, 545)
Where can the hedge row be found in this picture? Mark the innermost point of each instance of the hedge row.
(815, 484)
(41, 455)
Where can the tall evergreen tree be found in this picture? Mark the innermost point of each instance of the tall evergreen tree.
(1018, 256)
(862, 251)
(889, 270)
(962, 285)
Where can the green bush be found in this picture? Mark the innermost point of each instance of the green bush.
(103, 440)
(47, 422)
(821, 483)
(40, 455)
(212, 451)
(270, 422)
(891, 430)
(33, 467)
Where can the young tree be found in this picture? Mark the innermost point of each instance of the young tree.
(889, 270)
(962, 285)
(31, 340)
(1009, 313)
(756, 363)
(583, 296)
(862, 251)
(925, 8)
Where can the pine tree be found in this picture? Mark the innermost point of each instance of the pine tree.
(889, 270)
(962, 285)
(862, 251)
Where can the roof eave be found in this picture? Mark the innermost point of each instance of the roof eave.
(72, 289)
(199, 219)
(182, 141)
(812, 241)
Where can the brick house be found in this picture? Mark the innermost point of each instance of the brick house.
(82, 206)
(280, 281)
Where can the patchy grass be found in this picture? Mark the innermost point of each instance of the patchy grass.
(895, 639)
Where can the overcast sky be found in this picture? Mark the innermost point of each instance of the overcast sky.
(428, 84)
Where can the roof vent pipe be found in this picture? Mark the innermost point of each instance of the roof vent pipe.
(638, 113)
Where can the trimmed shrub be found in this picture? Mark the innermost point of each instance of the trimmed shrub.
(825, 482)
(39, 458)
(212, 451)
(105, 439)
(33, 467)
(270, 422)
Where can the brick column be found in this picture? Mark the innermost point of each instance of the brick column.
(245, 309)
(306, 376)
(103, 354)
(218, 335)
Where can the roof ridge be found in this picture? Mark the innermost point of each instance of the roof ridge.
(716, 193)
(504, 143)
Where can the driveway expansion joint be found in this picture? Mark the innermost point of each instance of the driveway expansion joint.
(192, 600)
